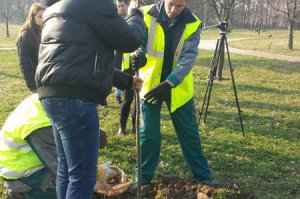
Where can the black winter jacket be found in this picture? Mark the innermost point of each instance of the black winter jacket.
(76, 51)
(28, 49)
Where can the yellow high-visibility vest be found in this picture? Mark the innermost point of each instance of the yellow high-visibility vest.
(17, 158)
(151, 73)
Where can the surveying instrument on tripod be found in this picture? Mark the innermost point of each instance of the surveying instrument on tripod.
(215, 63)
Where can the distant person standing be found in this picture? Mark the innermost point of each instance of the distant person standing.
(171, 45)
(122, 7)
(123, 61)
(122, 10)
(28, 44)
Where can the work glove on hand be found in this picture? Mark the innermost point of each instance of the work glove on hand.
(158, 93)
(138, 60)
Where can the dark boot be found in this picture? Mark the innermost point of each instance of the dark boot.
(133, 130)
(14, 195)
(209, 182)
(133, 123)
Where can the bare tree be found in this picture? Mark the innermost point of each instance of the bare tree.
(290, 8)
(223, 8)
(6, 13)
(197, 8)
(14, 12)
(22, 8)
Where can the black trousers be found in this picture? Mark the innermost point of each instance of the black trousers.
(126, 104)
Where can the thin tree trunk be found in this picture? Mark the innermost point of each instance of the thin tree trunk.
(7, 28)
(259, 27)
(291, 31)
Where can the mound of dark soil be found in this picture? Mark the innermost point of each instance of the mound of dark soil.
(172, 188)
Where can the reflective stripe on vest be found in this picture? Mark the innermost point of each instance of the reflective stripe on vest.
(151, 49)
(17, 159)
(11, 175)
(14, 145)
(151, 73)
(125, 61)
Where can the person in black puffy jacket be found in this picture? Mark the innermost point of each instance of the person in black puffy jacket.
(74, 74)
(28, 42)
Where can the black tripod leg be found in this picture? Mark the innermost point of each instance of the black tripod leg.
(234, 88)
(221, 60)
(208, 99)
(211, 77)
(216, 64)
(203, 102)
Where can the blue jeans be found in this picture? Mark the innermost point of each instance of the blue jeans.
(76, 130)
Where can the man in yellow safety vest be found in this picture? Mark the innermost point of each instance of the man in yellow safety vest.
(171, 46)
(28, 153)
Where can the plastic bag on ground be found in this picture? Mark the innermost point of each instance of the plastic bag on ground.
(115, 184)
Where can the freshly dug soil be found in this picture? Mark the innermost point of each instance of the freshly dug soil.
(174, 188)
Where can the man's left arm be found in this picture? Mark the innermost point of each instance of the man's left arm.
(43, 144)
(186, 59)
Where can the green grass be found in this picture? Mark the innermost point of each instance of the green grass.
(8, 42)
(266, 161)
(277, 43)
(213, 33)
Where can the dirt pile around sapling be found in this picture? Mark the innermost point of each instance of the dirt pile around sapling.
(174, 188)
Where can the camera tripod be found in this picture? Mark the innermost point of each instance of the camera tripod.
(221, 43)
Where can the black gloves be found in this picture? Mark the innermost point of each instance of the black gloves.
(159, 93)
(138, 60)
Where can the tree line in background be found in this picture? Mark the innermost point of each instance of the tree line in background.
(250, 14)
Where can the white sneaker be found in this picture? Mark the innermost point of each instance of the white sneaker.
(121, 132)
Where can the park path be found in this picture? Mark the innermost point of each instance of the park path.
(13, 48)
(211, 45)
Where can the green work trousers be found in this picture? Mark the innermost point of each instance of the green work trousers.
(186, 127)
(30, 187)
